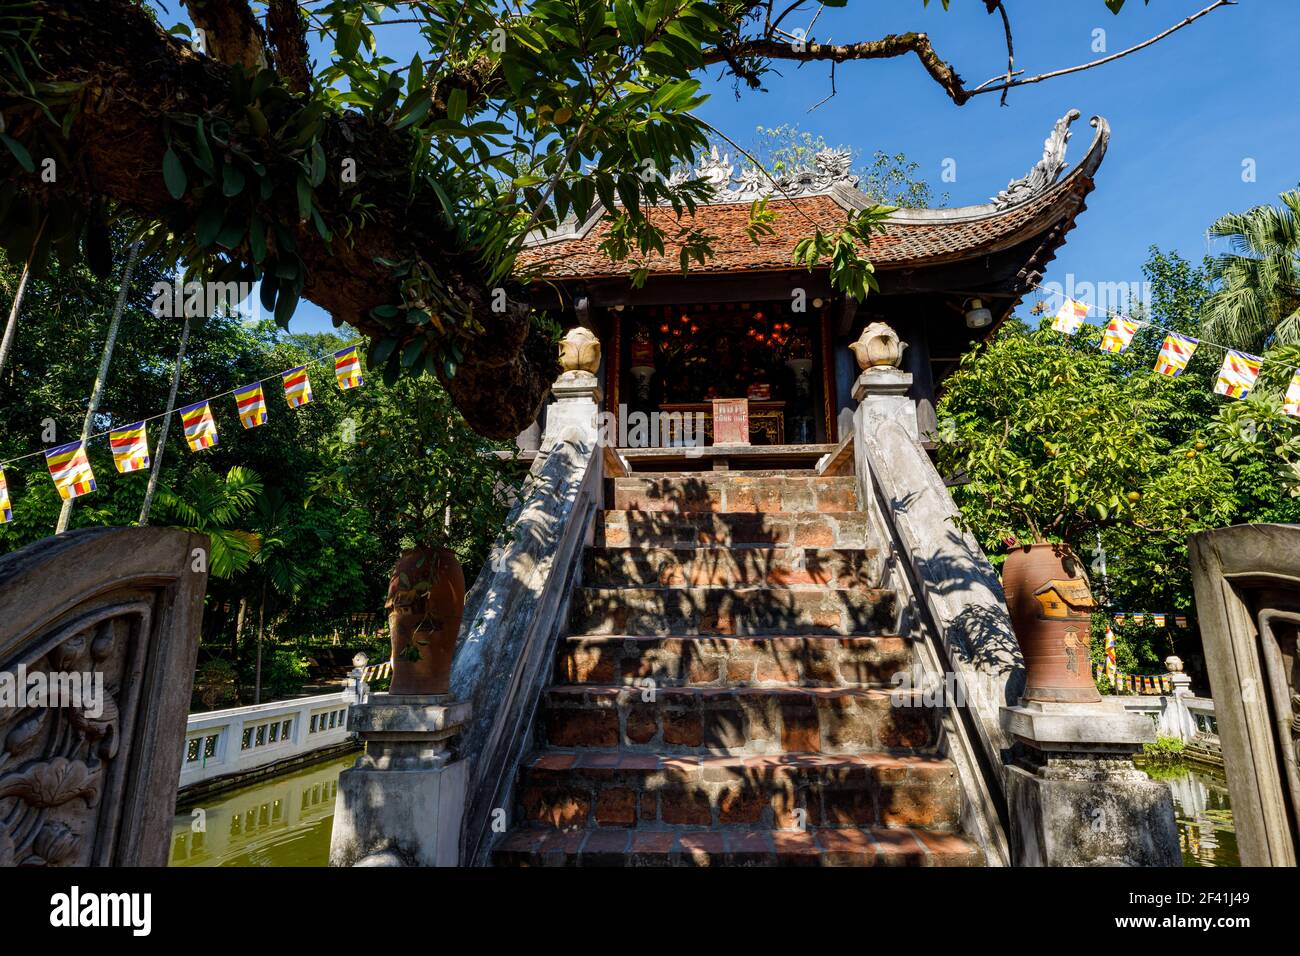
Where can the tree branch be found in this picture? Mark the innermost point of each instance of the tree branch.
(288, 41)
(894, 45)
(231, 33)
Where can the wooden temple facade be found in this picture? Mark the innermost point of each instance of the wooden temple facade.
(748, 324)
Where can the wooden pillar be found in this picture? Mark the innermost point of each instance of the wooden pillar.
(845, 369)
(916, 359)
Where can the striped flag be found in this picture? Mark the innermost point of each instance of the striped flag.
(70, 470)
(1159, 619)
(1070, 317)
(1119, 618)
(1180, 620)
(1119, 333)
(1237, 377)
(6, 512)
(1111, 667)
(1138, 619)
(1291, 404)
(297, 387)
(251, 405)
(347, 368)
(130, 446)
(200, 429)
(1175, 353)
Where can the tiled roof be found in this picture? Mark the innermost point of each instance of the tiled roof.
(912, 237)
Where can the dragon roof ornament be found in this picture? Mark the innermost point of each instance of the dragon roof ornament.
(1045, 172)
(829, 168)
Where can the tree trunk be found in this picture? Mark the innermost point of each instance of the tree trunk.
(261, 627)
(11, 327)
(166, 424)
(97, 393)
(234, 645)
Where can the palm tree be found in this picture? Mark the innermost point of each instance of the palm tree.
(1257, 303)
(210, 504)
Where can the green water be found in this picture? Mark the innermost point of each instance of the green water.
(1204, 813)
(283, 821)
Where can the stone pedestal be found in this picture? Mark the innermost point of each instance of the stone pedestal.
(402, 803)
(881, 392)
(577, 401)
(1074, 796)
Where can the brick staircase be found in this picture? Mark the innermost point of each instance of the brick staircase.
(723, 696)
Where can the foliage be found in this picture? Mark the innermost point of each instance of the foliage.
(1060, 441)
(888, 180)
(211, 504)
(423, 477)
(1257, 300)
(214, 683)
(1167, 749)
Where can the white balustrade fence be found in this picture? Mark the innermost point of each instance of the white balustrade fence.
(243, 739)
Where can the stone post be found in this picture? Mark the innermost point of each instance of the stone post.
(1176, 719)
(576, 391)
(403, 801)
(1074, 795)
(882, 387)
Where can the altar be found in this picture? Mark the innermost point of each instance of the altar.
(766, 421)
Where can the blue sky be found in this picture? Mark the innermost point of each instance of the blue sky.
(1185, 113)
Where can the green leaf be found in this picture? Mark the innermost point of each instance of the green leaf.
(173, 172)
(232, 181)
(304, 198)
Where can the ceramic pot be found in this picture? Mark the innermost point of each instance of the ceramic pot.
(1051, 611)
(426, 598)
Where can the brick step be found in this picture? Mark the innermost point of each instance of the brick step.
(667, 529)
(620, 846)
(563, 790)
(732, 661)
(731, 567)
(731, 492)
(740, 611)
(737, 720)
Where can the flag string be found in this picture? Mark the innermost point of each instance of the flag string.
(1110, 314)
(144, 421)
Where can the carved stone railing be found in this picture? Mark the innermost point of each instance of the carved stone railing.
(91, 781)
(952, 605)
(1247, 582)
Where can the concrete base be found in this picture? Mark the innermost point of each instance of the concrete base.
(882, 393)
(1074, 796)
(403, 802)
(399, 817)
(1089, 812)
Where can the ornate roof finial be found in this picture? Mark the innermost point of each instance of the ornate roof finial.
(1045, 171)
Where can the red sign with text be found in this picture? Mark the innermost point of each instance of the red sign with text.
(731, 421)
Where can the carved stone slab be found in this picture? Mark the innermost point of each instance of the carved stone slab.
(97, 786)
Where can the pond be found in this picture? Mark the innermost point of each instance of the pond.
(1204, 814)
(280, 821)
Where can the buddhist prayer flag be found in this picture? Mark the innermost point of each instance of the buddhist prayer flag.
(6, 512)
(200, 429)
(1159, 619)
(70, 470)
(1237, 377)
(1139, 618)
(130, 448)
(1291, 404)
(1180, 620)
(1070, 317)
(347, 368)
(1119, 618)
(251, 405)
(1111, 667)
(1119, 333)
(297, 387)
(1175, 353)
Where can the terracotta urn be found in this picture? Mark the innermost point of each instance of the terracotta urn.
(426, 598)
(1051, 611)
